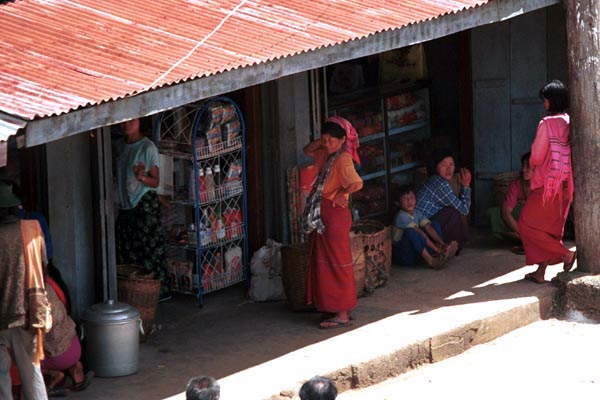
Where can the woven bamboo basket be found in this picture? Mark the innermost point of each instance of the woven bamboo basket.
(375, 239)
(294, 263)
(501, 183)
(140, 289)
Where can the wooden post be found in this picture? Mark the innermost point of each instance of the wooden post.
(583, 39)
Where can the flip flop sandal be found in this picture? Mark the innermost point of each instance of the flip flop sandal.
(57, 392)
(336, 324)
(531, 277)
(518, 250)
(78, 387)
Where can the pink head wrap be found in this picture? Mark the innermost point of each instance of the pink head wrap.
(351, 136)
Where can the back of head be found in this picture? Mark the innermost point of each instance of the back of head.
(318, 388)
(8, 199)
(203, 388)
(557, 94)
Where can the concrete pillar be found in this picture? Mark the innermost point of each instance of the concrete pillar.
(71, 216)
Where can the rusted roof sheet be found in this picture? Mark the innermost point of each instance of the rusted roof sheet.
(62, 55)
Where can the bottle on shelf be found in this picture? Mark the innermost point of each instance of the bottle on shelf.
(202, 185)
(220, 227)
(209, 183)
(219, 179)
(205, 229)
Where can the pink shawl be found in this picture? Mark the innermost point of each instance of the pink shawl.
(551, 157)
(351, 136)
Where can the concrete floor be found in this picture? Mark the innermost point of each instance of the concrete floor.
(260, 350)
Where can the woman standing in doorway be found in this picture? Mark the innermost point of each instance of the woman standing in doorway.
(542, 221)
(330, 276)
(139, 234)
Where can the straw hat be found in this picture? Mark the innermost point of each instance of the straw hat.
(7, 197)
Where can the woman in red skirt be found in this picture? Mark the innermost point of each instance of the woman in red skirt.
(543, 218)
(327, 218)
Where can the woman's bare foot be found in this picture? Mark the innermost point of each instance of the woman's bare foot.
(337, 320)
(76, 372)
(54, 378)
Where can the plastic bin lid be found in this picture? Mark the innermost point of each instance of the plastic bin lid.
(110, 311)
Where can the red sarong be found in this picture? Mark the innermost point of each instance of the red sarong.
(541, 225)
(330, 275)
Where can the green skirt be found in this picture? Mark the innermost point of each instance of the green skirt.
(140, 238)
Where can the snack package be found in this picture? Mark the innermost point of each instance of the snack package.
(215, 114)
(213, 137)
(230, 131)
(229, 113)
(233, 262)
(184, 275)
(172, 274)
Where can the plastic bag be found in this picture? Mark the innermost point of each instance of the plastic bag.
(265, 267)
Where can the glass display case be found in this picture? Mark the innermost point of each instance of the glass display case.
(392, 125)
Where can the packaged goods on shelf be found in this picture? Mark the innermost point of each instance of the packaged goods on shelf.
(400, 101)
(230, 131)
(172, 275)
(181, 271)
(233, 262)
(213, 137)
(234, 225)
(407, 115)
(215, 114)
(229, 113)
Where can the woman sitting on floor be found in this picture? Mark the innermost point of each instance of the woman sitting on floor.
(504, 219)
(437, 201)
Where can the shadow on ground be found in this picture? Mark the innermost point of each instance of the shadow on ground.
(230, 334)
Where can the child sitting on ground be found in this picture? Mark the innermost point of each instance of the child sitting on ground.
(415, 237)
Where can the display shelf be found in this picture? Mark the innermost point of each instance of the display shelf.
(393, 122)
(410, 127)
(209, 180)
(405, 167)
(373, 175)
(372, 137)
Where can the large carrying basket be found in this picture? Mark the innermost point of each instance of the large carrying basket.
(140, 289)
(374, 240)
(294, 264)
(501, 183)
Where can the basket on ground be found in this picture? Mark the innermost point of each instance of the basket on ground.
(140, 289)
(294, 264)
(374, 239)
(501, 183)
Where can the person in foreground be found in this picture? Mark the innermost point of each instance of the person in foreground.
(318, 388)
(327, 219)
(542, 221)
(203, 388)
(504, 219)
(24, 307)
(437, 201)
(415, 237)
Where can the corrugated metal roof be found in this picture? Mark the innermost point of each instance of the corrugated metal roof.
(61, 55)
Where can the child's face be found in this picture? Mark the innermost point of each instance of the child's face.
(408, 202)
